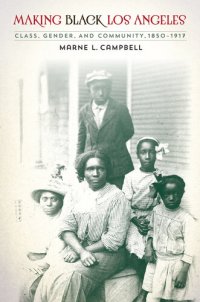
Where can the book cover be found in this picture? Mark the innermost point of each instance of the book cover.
(151, 48)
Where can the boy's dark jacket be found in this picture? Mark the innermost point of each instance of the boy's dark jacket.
(116, 129)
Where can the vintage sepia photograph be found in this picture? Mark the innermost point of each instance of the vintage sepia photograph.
(99, 126)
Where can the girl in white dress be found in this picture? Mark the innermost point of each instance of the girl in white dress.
(169, 247)
(139, 190)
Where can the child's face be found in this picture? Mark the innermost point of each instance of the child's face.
(171, 196)
(50, 203)
(147, 156)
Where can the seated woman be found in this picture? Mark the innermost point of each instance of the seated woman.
(95, 229)
(40, 230)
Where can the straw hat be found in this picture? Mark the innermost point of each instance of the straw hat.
(54, 185)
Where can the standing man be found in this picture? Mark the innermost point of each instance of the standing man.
(106, 125)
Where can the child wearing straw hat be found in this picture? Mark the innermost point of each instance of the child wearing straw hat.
(40, 231)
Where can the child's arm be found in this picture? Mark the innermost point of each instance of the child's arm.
(181, 279)
(150, 255)
(189, 231)
(129, 192)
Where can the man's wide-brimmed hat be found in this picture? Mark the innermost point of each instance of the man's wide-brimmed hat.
(98, 75)
(54, 185)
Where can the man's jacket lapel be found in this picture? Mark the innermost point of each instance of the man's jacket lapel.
(109, 114)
